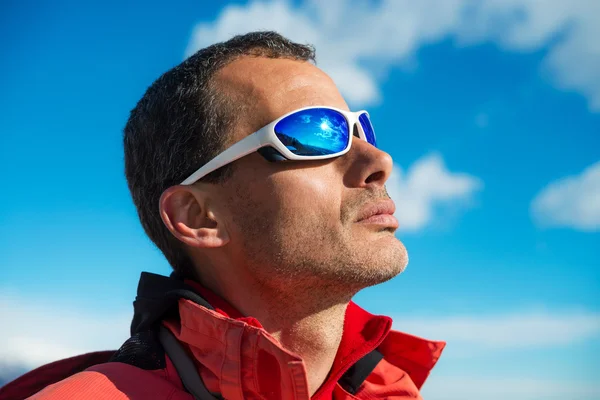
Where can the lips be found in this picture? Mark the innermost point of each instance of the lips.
(379, 213)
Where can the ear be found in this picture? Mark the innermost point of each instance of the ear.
(187, 212)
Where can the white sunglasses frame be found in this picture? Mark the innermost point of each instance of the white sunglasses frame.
(266, 136)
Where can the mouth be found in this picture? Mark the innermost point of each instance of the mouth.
(380, 214)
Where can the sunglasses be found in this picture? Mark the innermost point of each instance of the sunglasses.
(311, 133)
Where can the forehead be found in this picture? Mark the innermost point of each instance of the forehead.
(267, 88)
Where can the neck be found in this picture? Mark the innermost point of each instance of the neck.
(306, 319)
(315, 338)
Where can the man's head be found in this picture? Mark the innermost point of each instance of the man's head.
(283, 223)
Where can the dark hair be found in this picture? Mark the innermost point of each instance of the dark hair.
(181, 123)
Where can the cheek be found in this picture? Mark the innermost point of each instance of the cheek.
(300, 203)
(306, 198)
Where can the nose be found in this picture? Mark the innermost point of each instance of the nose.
(366, 166)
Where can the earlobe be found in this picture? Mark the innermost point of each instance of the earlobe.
(186, 211)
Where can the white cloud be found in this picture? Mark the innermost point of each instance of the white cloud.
(498, 388)
(424, 187)
(518, 330)
(35, 333)
(348, 31)
(572, 202)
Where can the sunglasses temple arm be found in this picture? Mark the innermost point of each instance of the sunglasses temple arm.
(240, 149)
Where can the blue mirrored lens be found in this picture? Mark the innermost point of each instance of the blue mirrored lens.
(365, 122)
(314, 132)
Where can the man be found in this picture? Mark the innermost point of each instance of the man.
(267, 197)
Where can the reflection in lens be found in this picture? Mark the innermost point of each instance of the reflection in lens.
(313, 132)
(365, 122)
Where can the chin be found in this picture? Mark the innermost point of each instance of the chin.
(385, 274)
(378, 268)
(387, 263)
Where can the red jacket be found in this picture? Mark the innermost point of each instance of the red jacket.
(233, 355)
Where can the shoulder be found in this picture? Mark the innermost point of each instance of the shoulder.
(113, 381)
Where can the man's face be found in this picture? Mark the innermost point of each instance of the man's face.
(295, 222)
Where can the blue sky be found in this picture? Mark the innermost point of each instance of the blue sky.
(492, 116)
